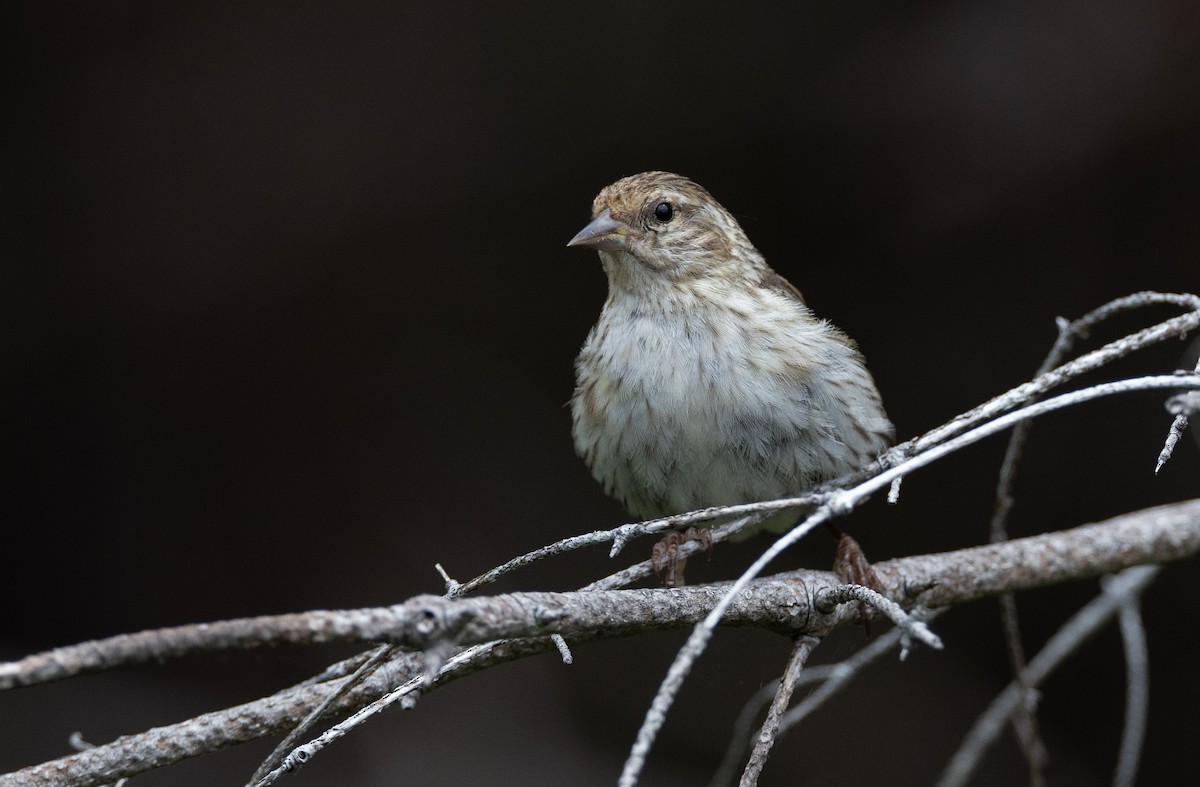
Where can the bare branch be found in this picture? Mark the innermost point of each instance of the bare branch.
(1173, 328)
(840, 675)
(377, 657)
(464, 661)
(910, 626)
(698, 640)
(836, 502)
(742, 730)
(318, 626)
(1025, 393)
(1154, 535)
(440, 629)
(161, 746)
(621, 535)
(1025, 721)
(1181, 407)
(642, 570)
(787, 684)
(833, 678)
(839, 503)
(1137, 690)
(1066, 641)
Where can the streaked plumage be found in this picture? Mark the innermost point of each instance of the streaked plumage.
(707, 380)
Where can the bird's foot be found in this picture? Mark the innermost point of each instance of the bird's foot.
(665, 559)
(851, 565)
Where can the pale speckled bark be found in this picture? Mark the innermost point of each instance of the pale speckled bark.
(783, 602)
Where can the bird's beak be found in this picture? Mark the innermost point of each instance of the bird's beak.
(603, 232)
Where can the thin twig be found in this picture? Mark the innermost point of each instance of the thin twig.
(783, 697)
(841, 675)
(1067, 640)
(696, 644)
(620, 535)
(1137, 692)
(404, 693)
(1160, 534)
(1181, 407)
(1025, 720)
(743, 726)
(16, 673)
(910, 626)
(832, 677)
(1173, 328)
(455, 589)
(1024, 393)
(840, 503)
(377, 657)
(644, 569)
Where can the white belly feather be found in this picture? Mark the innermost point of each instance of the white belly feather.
(679, 407)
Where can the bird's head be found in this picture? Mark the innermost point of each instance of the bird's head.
(658, 225)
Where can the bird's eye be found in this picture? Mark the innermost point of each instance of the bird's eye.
(663, 211)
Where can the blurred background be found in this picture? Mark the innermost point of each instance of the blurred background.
(290, 319)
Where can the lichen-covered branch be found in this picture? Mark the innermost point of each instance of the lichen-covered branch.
(782, 602)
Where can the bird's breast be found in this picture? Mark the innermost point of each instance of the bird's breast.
(686, 408)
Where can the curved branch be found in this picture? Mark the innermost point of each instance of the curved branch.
(1069, 638)
(783, 602)
(1154, 535)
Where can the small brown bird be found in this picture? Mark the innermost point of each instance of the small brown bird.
(707, 380)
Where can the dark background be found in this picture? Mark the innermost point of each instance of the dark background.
(289, 319)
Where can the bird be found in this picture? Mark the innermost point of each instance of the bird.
(707, 380)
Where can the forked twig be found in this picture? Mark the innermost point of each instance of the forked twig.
(840, 503)
(961, 431)
(1098, 612)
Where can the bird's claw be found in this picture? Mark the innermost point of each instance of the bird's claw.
(665, 559)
